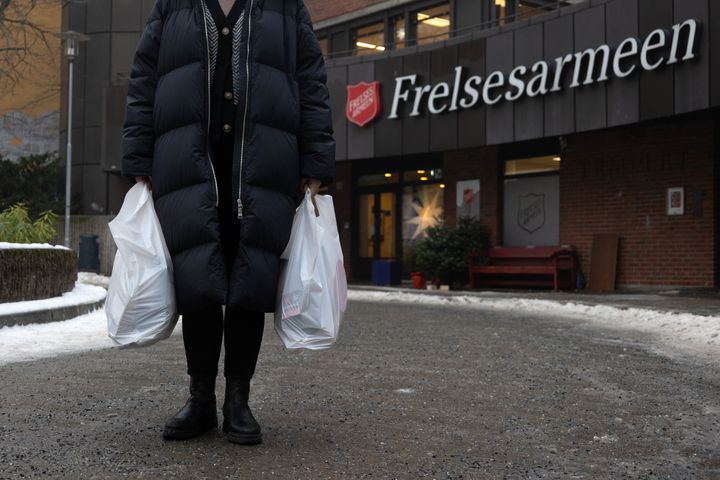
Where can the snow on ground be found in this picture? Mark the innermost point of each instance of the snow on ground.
(91, 278)
(676, 332)
(32, 342)
(81, 294)
(8, 246)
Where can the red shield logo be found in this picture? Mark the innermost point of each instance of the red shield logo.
(363, 102)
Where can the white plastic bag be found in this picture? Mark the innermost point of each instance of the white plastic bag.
(140, 304)
(312, 293)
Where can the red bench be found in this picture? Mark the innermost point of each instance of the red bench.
(553, 267)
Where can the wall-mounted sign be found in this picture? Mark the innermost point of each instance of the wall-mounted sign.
(468, 198)
(676, 201)
(660, 47)
(363, 102)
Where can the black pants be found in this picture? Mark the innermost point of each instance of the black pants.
(243, 330)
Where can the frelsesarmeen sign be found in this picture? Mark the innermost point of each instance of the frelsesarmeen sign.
(660, 47)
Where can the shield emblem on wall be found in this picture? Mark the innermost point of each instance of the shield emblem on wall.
(531, 212)
(363, 102)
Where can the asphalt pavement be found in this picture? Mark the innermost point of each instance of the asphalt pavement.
(411, 391)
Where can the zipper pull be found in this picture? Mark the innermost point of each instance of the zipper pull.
(240, 208)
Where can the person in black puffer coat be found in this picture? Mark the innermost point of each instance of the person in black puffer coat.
(227, 114)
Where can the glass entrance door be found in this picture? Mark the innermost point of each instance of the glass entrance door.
(377, 228)
(377, 225)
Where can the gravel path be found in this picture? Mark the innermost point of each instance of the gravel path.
(412, 391)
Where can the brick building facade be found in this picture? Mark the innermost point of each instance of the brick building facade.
(603, 156)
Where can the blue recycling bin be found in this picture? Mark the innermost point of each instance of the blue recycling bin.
(89, 257)
(386, 272)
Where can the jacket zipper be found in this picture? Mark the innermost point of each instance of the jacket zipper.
(247, 94)
(207, 130)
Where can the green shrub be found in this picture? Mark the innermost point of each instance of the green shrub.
(16, 226)
(37, 181)
(444, 252)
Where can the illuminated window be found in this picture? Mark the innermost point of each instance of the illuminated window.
(399, 32)
(432, 24)
(523, 166)
(369, 39)
(502, 11)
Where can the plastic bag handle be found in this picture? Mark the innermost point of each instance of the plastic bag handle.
(312, 199)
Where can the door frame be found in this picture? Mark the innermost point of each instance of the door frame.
(362, 266)
(378, 166)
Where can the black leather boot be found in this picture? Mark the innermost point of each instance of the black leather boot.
(199, 413)
(239, 423)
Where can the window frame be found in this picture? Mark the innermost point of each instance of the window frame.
(385, 17)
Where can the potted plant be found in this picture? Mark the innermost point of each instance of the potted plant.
(429, 253)
(443, 254)
(410, 264)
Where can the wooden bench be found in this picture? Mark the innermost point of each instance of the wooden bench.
(553, 267)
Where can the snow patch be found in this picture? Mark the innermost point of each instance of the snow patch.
(685, 332)
(82, 294)
(33, 342)
(91, 278)
(25, 246)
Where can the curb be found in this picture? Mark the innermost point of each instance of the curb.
(50, 314)
(703, 305)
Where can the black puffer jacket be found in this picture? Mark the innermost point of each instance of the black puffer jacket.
(287, 135)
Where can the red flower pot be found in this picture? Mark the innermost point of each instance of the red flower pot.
(418, 280)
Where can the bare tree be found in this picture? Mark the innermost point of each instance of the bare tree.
(27, 47)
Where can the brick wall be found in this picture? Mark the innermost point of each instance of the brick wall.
(324, 9)
(481, 163)
(616, 181)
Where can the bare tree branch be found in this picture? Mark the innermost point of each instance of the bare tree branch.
(27, 48)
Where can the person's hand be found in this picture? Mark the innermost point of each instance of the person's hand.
(146, 179)
(312, 183)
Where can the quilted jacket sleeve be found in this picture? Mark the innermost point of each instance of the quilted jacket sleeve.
(138, 135)
(315, 136)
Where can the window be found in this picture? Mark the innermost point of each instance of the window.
(501, 8)
(523, 166)
(422, 208)
(432, 24)
(324, 46)
(399, 32)
(532, 8)
(511, 10)
(369, 39)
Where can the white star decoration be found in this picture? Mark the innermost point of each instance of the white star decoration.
(428, 213)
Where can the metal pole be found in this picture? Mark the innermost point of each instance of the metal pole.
(68, 156)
